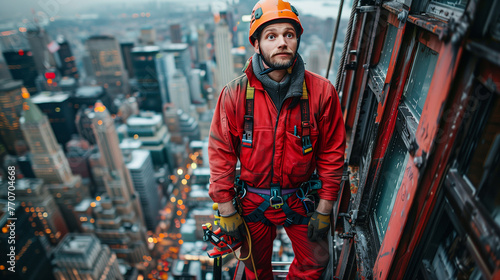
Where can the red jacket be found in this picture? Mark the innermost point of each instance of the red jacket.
(290, 166)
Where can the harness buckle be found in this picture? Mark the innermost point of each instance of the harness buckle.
(247, 134)
(275, 200)
(306, 145)
(247, 140)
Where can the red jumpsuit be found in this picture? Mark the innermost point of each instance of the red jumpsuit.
(276, 156)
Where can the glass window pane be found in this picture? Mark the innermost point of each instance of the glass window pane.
(447, 256)
(385, 56)
(390, 179)
(420, 79)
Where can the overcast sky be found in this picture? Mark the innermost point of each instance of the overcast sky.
(18, 9)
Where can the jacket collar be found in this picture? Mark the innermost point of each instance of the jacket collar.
(296, 83)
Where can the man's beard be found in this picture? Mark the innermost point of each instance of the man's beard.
(281, 64)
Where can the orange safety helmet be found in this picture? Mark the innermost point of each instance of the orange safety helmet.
(269, 10)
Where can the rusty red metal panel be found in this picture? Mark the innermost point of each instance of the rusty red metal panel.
(433, 25)
(426, 198)
(397, 44)
(444, 73)
(430, 40)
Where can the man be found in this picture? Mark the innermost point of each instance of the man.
(281, 130)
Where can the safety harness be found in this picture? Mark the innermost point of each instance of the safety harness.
(274, 196)
(304, 112)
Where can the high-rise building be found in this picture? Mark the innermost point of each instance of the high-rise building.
(36, 200)
(153, 134)
(78, 153)
(50, 163)
(175, 33)
(84, 125)
(4, 69)
(126, 48)
(82, 256)
(201, 46)
(179, 93)
(11, 107)
(182, 57)
(32, 249)
(148, 35)
(61, 113)
(142, 172)
(223, 57)
(314, 55)
(43, 49)
(239, 59)
(181, 125)
(107, 64)
(147, 71)
(119, 218)
(68, 64)
(22, 67)
(195, 78)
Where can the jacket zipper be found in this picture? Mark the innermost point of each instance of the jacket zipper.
(274, 137)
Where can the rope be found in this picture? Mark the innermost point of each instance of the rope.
(249, 241)
(334, 39)
(344, 50)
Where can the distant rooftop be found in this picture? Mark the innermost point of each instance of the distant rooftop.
(144, 120)
(138, 159)
(101, 37)
(8, 85)
(174, 47)
(50, 97)
(130, 144)
(144, 49)
(89, 91)
(76, 244)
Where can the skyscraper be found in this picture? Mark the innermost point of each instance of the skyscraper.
(182, 57)
(126, 48)
(178, 88)
(36, 200)
(50, 163)
(107, 64)
(149, 129)
(22, 67)
(68, 64)
(119, 218)
(146, 66)
(61, 113)
(224, 59)
(82, 256)
(11, 106)
(142, 172)
(175, 33)
(31, 249)
(201, 46)
(148, 35)
(43, 49)
(4, 69)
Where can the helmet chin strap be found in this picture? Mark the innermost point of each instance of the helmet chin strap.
(271, 69)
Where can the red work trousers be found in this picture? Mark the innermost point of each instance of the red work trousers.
(311, 258)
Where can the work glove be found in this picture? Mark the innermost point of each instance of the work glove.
(318, 226)
(232, 225)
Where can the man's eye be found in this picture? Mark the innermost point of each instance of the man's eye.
(289, 35)
(270, 37)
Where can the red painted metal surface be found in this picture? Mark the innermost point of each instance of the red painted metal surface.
(427, 132)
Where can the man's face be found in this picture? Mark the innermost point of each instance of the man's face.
(278, 43)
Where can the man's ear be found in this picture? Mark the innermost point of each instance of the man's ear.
(256, 46)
